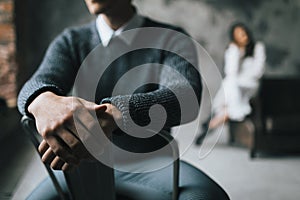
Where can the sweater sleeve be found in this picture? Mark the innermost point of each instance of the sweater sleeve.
(56, 73)
(179, 92)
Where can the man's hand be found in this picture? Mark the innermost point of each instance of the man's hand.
(109, 117)
(54, 115)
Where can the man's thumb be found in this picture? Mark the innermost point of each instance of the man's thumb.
(100, 108)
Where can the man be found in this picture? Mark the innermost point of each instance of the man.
(44, 96)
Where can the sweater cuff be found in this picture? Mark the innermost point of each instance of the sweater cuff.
(25, 102)
(122, 104)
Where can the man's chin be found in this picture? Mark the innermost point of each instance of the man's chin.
(97, 10)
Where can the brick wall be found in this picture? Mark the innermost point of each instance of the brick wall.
(8, 68)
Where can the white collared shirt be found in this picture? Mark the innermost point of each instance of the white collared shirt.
(106, 33)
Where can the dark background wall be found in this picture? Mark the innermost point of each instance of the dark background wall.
(275, 22)
(37, 23)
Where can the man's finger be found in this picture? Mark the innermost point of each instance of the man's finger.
(57, 163)
(48, 156)
(61, 149)
(67, 167)
(75, 145)
(43, 147)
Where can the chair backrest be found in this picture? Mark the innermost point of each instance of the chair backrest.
(280, 108)
(280, 96)
(96, 180)
(88, 181)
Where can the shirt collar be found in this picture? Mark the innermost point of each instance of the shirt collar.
(106, 33)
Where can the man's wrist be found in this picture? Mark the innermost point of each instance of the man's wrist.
(37, 102)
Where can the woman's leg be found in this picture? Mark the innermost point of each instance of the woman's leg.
(218, 120)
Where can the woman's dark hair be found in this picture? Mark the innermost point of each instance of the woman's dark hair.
(251, 44)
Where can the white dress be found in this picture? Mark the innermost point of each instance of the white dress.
(241, 81)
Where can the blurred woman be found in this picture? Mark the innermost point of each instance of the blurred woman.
(244, 66)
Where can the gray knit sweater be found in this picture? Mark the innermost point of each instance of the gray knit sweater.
(67, 52)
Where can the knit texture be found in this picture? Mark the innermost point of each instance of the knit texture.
(67, 52)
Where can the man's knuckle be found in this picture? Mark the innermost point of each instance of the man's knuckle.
(73, 145)
(47, 131)
(68, 116)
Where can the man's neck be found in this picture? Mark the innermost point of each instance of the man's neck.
(118, 17)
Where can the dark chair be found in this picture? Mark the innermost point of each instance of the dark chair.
(241, 133)
(188, 183)
(277, 118)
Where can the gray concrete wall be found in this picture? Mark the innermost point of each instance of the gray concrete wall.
(276, 22)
